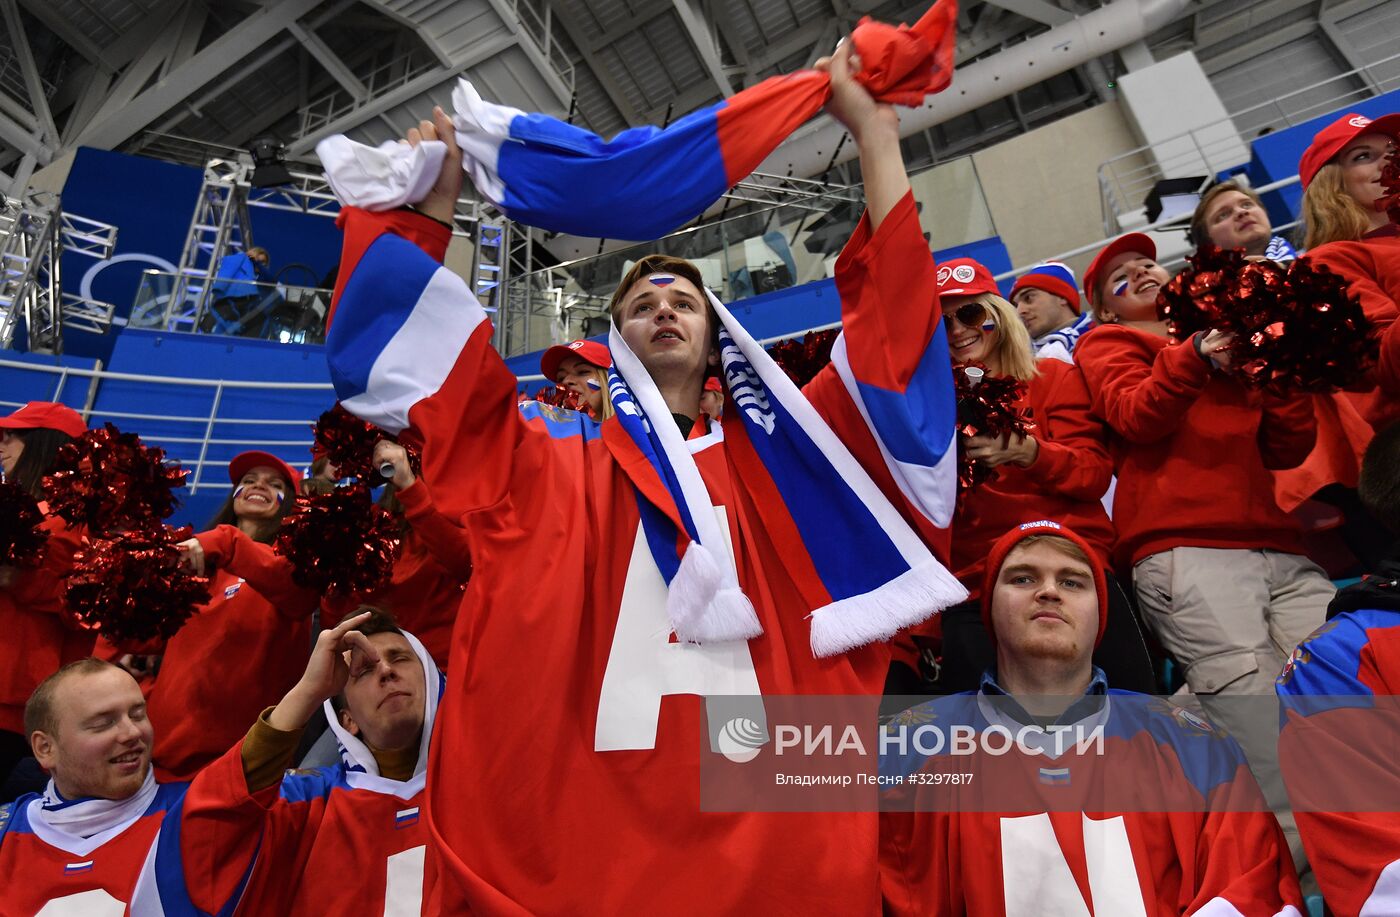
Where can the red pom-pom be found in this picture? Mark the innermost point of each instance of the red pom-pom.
(1390, 181)
(108, 481)
(1297, 328)
(1196, 299)
(560, 397)
(986, 408)
(135, 586)
(803, 359)
(21, 538)
(347, 442)
(339, 542)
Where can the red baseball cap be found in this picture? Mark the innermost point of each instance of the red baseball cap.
(1135, 242)
(965, 277)
(587, 351)
(46, 415)
(1003, 547)
(1333, 138)
(246, 461)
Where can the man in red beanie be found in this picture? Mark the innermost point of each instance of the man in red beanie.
(1047, 300)
(1161, 816)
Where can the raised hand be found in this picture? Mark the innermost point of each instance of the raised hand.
(326, 673)
(442, 199)
(396, 455)
(851, 103)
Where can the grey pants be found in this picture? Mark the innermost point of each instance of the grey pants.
(1232, 619)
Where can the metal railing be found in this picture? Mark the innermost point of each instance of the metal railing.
(539, 29)
(12, 81)
(191, 448)
(279, 312)
(380, 81)
(1126, 180)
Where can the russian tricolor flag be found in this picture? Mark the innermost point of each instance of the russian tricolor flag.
(648, 181)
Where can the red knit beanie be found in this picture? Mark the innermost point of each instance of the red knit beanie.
(1003, 547)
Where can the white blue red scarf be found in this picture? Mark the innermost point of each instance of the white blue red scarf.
(873, 574)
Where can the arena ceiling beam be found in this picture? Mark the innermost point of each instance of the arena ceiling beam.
(328, 59)
(47, 133)
(568, 21)
(705, 45)
(111, 130)
(1035, 10)
(61, 26)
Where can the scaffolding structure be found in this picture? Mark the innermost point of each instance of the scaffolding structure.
(221, 224)
(34, 234)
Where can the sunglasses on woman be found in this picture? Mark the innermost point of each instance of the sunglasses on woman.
(969, 315)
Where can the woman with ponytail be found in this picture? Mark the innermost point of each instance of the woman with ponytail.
(247, 645)
(40, 635)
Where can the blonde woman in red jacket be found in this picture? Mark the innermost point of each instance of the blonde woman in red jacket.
(244, 648)
(1340, 172)
(1058, 471)
(1217, 566)
(40, 635)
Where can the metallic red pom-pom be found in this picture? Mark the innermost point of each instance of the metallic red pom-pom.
(803, 359)
(560, 397)
(987, 406)
(1297, 328)
(1390, 181)
(339, 542)
(347, 442)
(108, 481)
(135, 587)
(21, 538)
(1196, 299)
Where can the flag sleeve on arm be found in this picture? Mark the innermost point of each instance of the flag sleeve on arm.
(1243, 865)
(410, 351)
(892, 358)
(1337, 744)
(204, 852)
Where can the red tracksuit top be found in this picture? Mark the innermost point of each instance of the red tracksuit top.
(1064, 484)
(1337, 755)
(576, 800)
(40, 634)
(1193, 448)
(1372, 264)
(187, 853)
(238, 654)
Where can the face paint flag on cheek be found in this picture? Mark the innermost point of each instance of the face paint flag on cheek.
(989, 326)
(593, 385)
(1120, 288)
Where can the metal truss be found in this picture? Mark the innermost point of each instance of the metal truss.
(34, 234)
